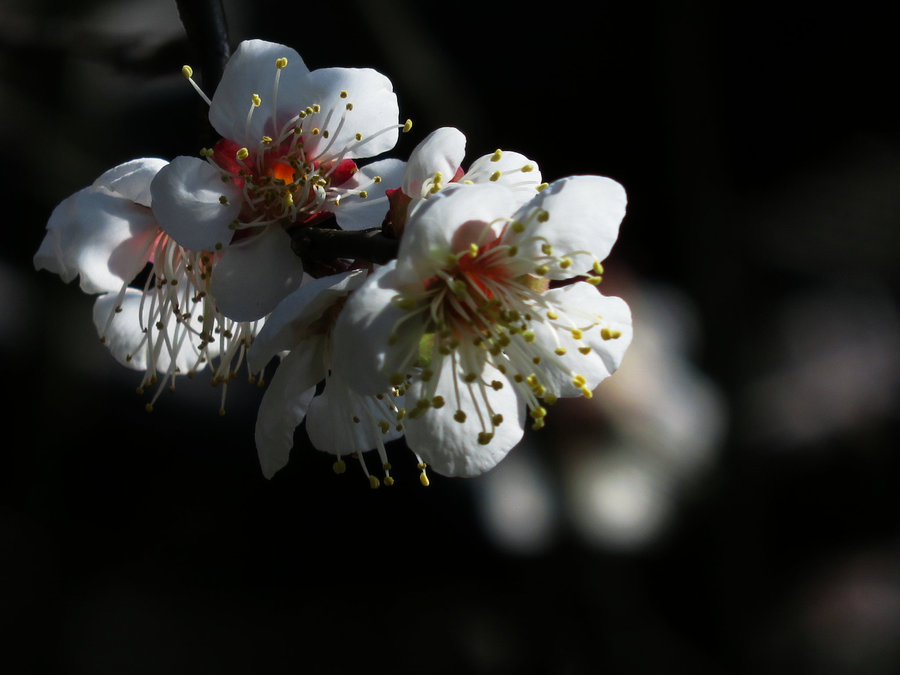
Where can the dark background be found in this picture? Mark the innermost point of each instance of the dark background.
(729, 505)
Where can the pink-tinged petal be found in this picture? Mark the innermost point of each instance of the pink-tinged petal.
(578, 216)
(442, 151)
(121, 322)
(255, 274)
(193, 205)
(452, 448)
(285, 403)
(374, 337)
(102, 238)
(131, 180)
(447, 223)
(340, 421)
(251, 70)
(357, 213)
(362, 123)
(298, 316)
(507, 168)
(582, 306)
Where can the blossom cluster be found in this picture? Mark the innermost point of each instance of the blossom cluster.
(488, 313)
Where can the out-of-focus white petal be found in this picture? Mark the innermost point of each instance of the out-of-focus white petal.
(364, 350)
(286, 401)
(193, 205)
(251, 70)
(357, 213)
(255, 274)
(372, 116)
(100, 237)
(579, 217)
(442, 151)
(297, 315)
(450, 447)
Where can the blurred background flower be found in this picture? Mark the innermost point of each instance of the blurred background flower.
(727, 502)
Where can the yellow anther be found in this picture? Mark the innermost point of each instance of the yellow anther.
(498, 154)
(223, 199)
(339, 467)
(187, 71)
(280, 63)
(496, 385)
(344, 93)
(315, 132)
(546, 249)
(550, 399)
(542, 270)
(242, 154)
(496, 419)
(608, 334)
(584, 350)
(316, 108)
(349, 106)
(358, 136)
(459, 416)
(517, 227)
(423, 479)
(437, 402)
(473, 250)
(288, 199)
(469, 378)
(426, 375)
(496, 176)
(363, 194)
(594, 281)
(397, 379)
(565, 263)
(484, 437)
(267, 140)
(528, 336)
(553, 316)
(384, 426)
(257, 101)
(560, 351)
(543, 216)
(579, 381)
(577, 334)
(388, 480)
(598, 268)
(536, 360)
(513, 251)
(527, 168)
(539, 412)
(542, 187)
(587, 393)
(407, 126)
(374, 483)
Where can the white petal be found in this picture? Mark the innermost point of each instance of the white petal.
(297, 315)
(131, 180)
(187, 203)
(507, 170)
(442, 151)
(340, 421)
(286, 401)
(374, 116)
(357, 213)
(449, 222)
(122, 332)
(251, 70)
(100, 237)
(581, 304)
(451, 448)
(583, 213)
(255, 274)
(364, 352)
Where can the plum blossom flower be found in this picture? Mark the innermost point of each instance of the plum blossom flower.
(467, 324)
(436, 162)
(290, 138)
(107, 236)
(339, 421)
